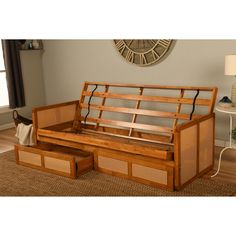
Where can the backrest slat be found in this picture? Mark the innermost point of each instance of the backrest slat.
(120, 107)
(164, 114)
(102, 104)
(202, 102)
(137, 105)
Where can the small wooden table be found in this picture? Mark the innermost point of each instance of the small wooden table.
(230, 111)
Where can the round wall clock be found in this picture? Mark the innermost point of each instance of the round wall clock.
(143, 52)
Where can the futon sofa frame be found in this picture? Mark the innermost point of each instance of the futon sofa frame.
(162, 136)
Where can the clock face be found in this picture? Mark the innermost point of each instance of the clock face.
(143, 52)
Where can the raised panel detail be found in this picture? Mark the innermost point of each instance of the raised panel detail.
(148, 173)
(30, 158)
(57, 164)
(56, 115)
(113, 164)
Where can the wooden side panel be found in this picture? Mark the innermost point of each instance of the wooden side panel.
(113, 164)
(30, 158)
(148, 173)
(57, 164)
(206, 143)
(191, 145)
(84, 165)
(55, 115)
(188, 153)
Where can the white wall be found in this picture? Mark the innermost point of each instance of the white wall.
(68, 63)
(31, 64)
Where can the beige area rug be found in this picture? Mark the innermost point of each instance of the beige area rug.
(16, 180)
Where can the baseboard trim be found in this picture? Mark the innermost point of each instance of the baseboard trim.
(221, 143)
(7, 126)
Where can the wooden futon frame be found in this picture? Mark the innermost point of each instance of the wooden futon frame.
(162, 136)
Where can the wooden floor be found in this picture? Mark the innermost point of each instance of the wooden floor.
(7, 140)
(228, 165)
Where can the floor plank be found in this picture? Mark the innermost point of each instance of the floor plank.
(7, 140)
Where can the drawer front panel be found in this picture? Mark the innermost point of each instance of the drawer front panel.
(57, 164)
(30, 158)
(148, 173)
(113, 164)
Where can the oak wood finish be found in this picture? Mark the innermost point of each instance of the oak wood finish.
(152, 86)
(202, 102)
(131, 146)
(200, 164)
(136, 111)
(134, 137)
(161, 172)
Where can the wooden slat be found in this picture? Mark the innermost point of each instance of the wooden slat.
(202, 102)
(136, 107)
(152, 86)
(103, 103)
(129, 125)
(164, 137)
(171, 115)
(178, 108)
(128, 137)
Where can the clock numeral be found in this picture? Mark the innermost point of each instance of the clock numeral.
(155, 55)
(143, 59)
(131, 41)
(130, 56)
(153, 41)
(120, 46)
(164, 42)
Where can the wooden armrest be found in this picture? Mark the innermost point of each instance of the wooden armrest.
(54, 114)
(194, 148)
(193, 122)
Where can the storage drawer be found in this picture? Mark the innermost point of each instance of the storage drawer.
(146, 170)
(55, 159)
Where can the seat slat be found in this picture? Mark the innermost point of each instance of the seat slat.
(128, 137)
(129, 124)
(132, 146)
